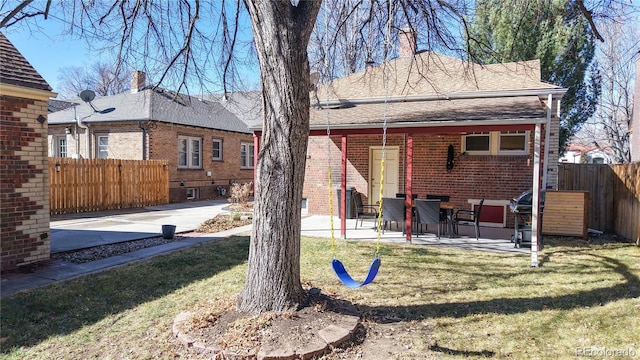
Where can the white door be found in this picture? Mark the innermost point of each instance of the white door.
(390, 172)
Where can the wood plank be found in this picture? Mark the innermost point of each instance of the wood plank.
(101, 184)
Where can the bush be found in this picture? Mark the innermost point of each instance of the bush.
(240, 193)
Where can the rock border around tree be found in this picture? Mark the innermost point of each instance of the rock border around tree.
(344, 320)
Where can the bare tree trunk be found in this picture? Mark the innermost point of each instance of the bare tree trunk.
(281, 33)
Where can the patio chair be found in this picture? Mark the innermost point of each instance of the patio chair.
(393, 210)
(364, 211)
(469, 217)
(443, 212)
(428, 212)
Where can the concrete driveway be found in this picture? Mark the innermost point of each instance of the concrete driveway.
(77, 231)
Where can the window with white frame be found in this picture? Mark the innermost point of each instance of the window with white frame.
(513, 142)
(61, 146)
(103, 147)
(217, 149)
(192, 193)
(246, 155)
(496, 143)
(189, 152)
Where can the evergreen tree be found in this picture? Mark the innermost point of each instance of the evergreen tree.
(552, 31)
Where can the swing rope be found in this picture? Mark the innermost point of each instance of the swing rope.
(336, 264)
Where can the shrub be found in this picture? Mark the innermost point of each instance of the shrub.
(240, 193)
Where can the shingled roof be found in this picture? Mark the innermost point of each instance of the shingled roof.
(16, 70)
(430, 73)
(153, 104)
(432, 89)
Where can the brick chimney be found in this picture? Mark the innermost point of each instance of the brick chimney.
(408, 38)
(138, 81)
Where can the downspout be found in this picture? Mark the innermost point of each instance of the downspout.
(87, 149)
(144, 140)
(77, 139)
(547, 135)
(86, 133)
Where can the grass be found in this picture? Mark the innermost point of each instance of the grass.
(453, 303)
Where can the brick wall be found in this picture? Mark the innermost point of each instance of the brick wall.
(125, 140)
(24, 189)
(495, 177)
(163, 142)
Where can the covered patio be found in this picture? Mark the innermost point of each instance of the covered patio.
(492, 239)
(436, 125)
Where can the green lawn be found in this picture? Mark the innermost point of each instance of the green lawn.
(584, 299)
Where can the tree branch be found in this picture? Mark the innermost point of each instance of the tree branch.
(589, 16)
(15, 12)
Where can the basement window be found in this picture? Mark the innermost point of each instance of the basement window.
(192, 193)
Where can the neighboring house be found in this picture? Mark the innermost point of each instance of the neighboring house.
(207, 146)
(579, 154)
(488, 115)
(24, 198)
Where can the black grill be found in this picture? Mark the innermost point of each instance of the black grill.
(521, 206)
(522, 203)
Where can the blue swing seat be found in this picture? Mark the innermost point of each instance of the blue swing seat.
(346, 279)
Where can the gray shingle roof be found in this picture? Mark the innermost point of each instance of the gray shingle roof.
(247, 106)
(57, 105)
(16, 70)
(154, 105)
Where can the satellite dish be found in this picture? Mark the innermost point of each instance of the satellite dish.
(105, 111)
(87, 95)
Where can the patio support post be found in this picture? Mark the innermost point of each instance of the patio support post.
(343, 187)
(409, 180)
(535, 211)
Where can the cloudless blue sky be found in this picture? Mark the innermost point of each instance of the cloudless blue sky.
(48, 49)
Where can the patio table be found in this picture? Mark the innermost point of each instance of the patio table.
(449, 207)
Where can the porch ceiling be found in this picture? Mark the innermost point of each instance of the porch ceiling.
(502, 110)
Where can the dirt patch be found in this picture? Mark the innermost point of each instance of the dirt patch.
(218, 329)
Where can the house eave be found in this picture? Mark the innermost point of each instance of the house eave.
(557, 94)
(437, 123)
(25, 92)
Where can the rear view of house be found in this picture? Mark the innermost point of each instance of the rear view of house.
(454, 128)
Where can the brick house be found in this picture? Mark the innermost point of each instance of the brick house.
(497, 118)
(576, 154)
(207, 146)
(24, 193)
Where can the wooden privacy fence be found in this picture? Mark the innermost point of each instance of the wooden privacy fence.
(614, 195)
(83, 185)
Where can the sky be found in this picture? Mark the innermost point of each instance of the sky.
(48, 50)
(45, 45)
